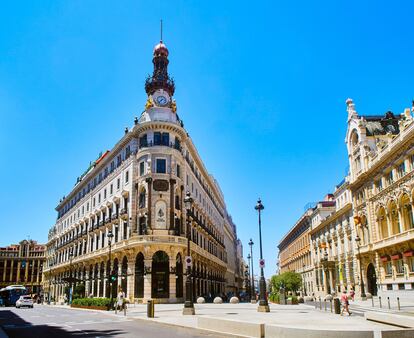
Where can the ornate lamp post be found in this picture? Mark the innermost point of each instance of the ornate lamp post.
(110, 236)
(188, 305)
(253, 292)
(358, 242)
(304, 281)
(249, 290)
(70, 275)
(263, 304)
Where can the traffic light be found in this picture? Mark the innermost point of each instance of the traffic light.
(113, 276)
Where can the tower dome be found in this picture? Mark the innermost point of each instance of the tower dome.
(161, 49)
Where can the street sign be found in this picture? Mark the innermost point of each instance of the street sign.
(188, 261)
(261, 263)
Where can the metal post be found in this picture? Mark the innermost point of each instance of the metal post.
(398, 303)
(253, 290)
(389, 305)
(320, 303)
(372, 300)
(379, 298)
(363, 295)
(263, 304)
(324, 303)
(188, 305)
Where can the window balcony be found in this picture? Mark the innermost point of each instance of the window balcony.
(114, 217)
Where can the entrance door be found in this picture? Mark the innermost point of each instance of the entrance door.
(372, 280)
(160, 276)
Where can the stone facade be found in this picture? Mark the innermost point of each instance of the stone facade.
(135, 192)
(381, 158)
(22, 264)
(368, 231)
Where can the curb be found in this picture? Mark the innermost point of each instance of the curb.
(189, 327)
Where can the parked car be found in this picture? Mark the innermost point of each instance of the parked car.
(24, 301)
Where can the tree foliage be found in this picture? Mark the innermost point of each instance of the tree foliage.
(290, 280)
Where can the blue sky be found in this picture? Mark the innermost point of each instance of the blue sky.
(261, 87)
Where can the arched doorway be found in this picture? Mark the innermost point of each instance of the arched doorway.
(160, 276)
(139, 276)
(124, 275)
(372, 280)
(179, 277)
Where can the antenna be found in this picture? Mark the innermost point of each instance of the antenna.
(161, 30)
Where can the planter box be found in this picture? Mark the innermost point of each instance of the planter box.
(103, 308)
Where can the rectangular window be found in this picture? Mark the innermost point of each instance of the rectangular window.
(104, 193)
(165, 139)
(390, 178)
(99, 198)
(142, 168)
(379, 184)
(161, 166)
(112, 166)
(118, 160)
(118, 183)
(157, 138)
(401, 170)
(127, 177)
(178, 170)
(388, 268)
(93, 201)
(143, 142)
(400, 266)
(127, 151)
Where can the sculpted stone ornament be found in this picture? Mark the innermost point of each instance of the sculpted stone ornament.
(149, 104)
(173, 106)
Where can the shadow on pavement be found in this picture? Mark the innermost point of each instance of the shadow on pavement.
(16, 327)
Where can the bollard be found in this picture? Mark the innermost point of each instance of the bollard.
(337, 306)
(324, 303)
(331, 304)
(320, 303)
(389, 305)
(150, 308)
(398, 303)
(379, 298)
(372, 300)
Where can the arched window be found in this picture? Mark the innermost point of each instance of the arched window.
(395, 222)
(407, 212)
(382, 223)
(139, 276)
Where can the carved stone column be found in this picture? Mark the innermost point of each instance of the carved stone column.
(147, 279)
(149, 219)
(173, 280)
(172, 208)
(131, 279)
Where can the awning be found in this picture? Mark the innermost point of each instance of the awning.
(396, 256)
(385, 258)
(408, 253)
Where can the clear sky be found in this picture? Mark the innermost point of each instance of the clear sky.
(261, 87)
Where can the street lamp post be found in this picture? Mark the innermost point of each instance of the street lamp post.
(304, 281)
(110, 236)
(249, 286)
(70, 275)
(263, 304)
(188, 305)
(253, 292)
(358, 242)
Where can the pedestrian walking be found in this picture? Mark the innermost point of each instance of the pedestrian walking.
(345, 303)
(120, 299)
(352, 294)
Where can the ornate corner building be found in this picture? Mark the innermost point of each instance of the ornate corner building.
(126, 214)
(381, 157)
(365, 229)
(22, 264)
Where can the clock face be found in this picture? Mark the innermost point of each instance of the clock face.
(161, 100)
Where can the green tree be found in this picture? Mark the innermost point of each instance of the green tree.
(290, 280)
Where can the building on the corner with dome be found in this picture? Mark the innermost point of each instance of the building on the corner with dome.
(126, 214)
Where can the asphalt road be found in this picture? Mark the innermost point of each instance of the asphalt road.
(48, 321)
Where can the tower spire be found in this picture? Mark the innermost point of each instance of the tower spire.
(161, 31)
